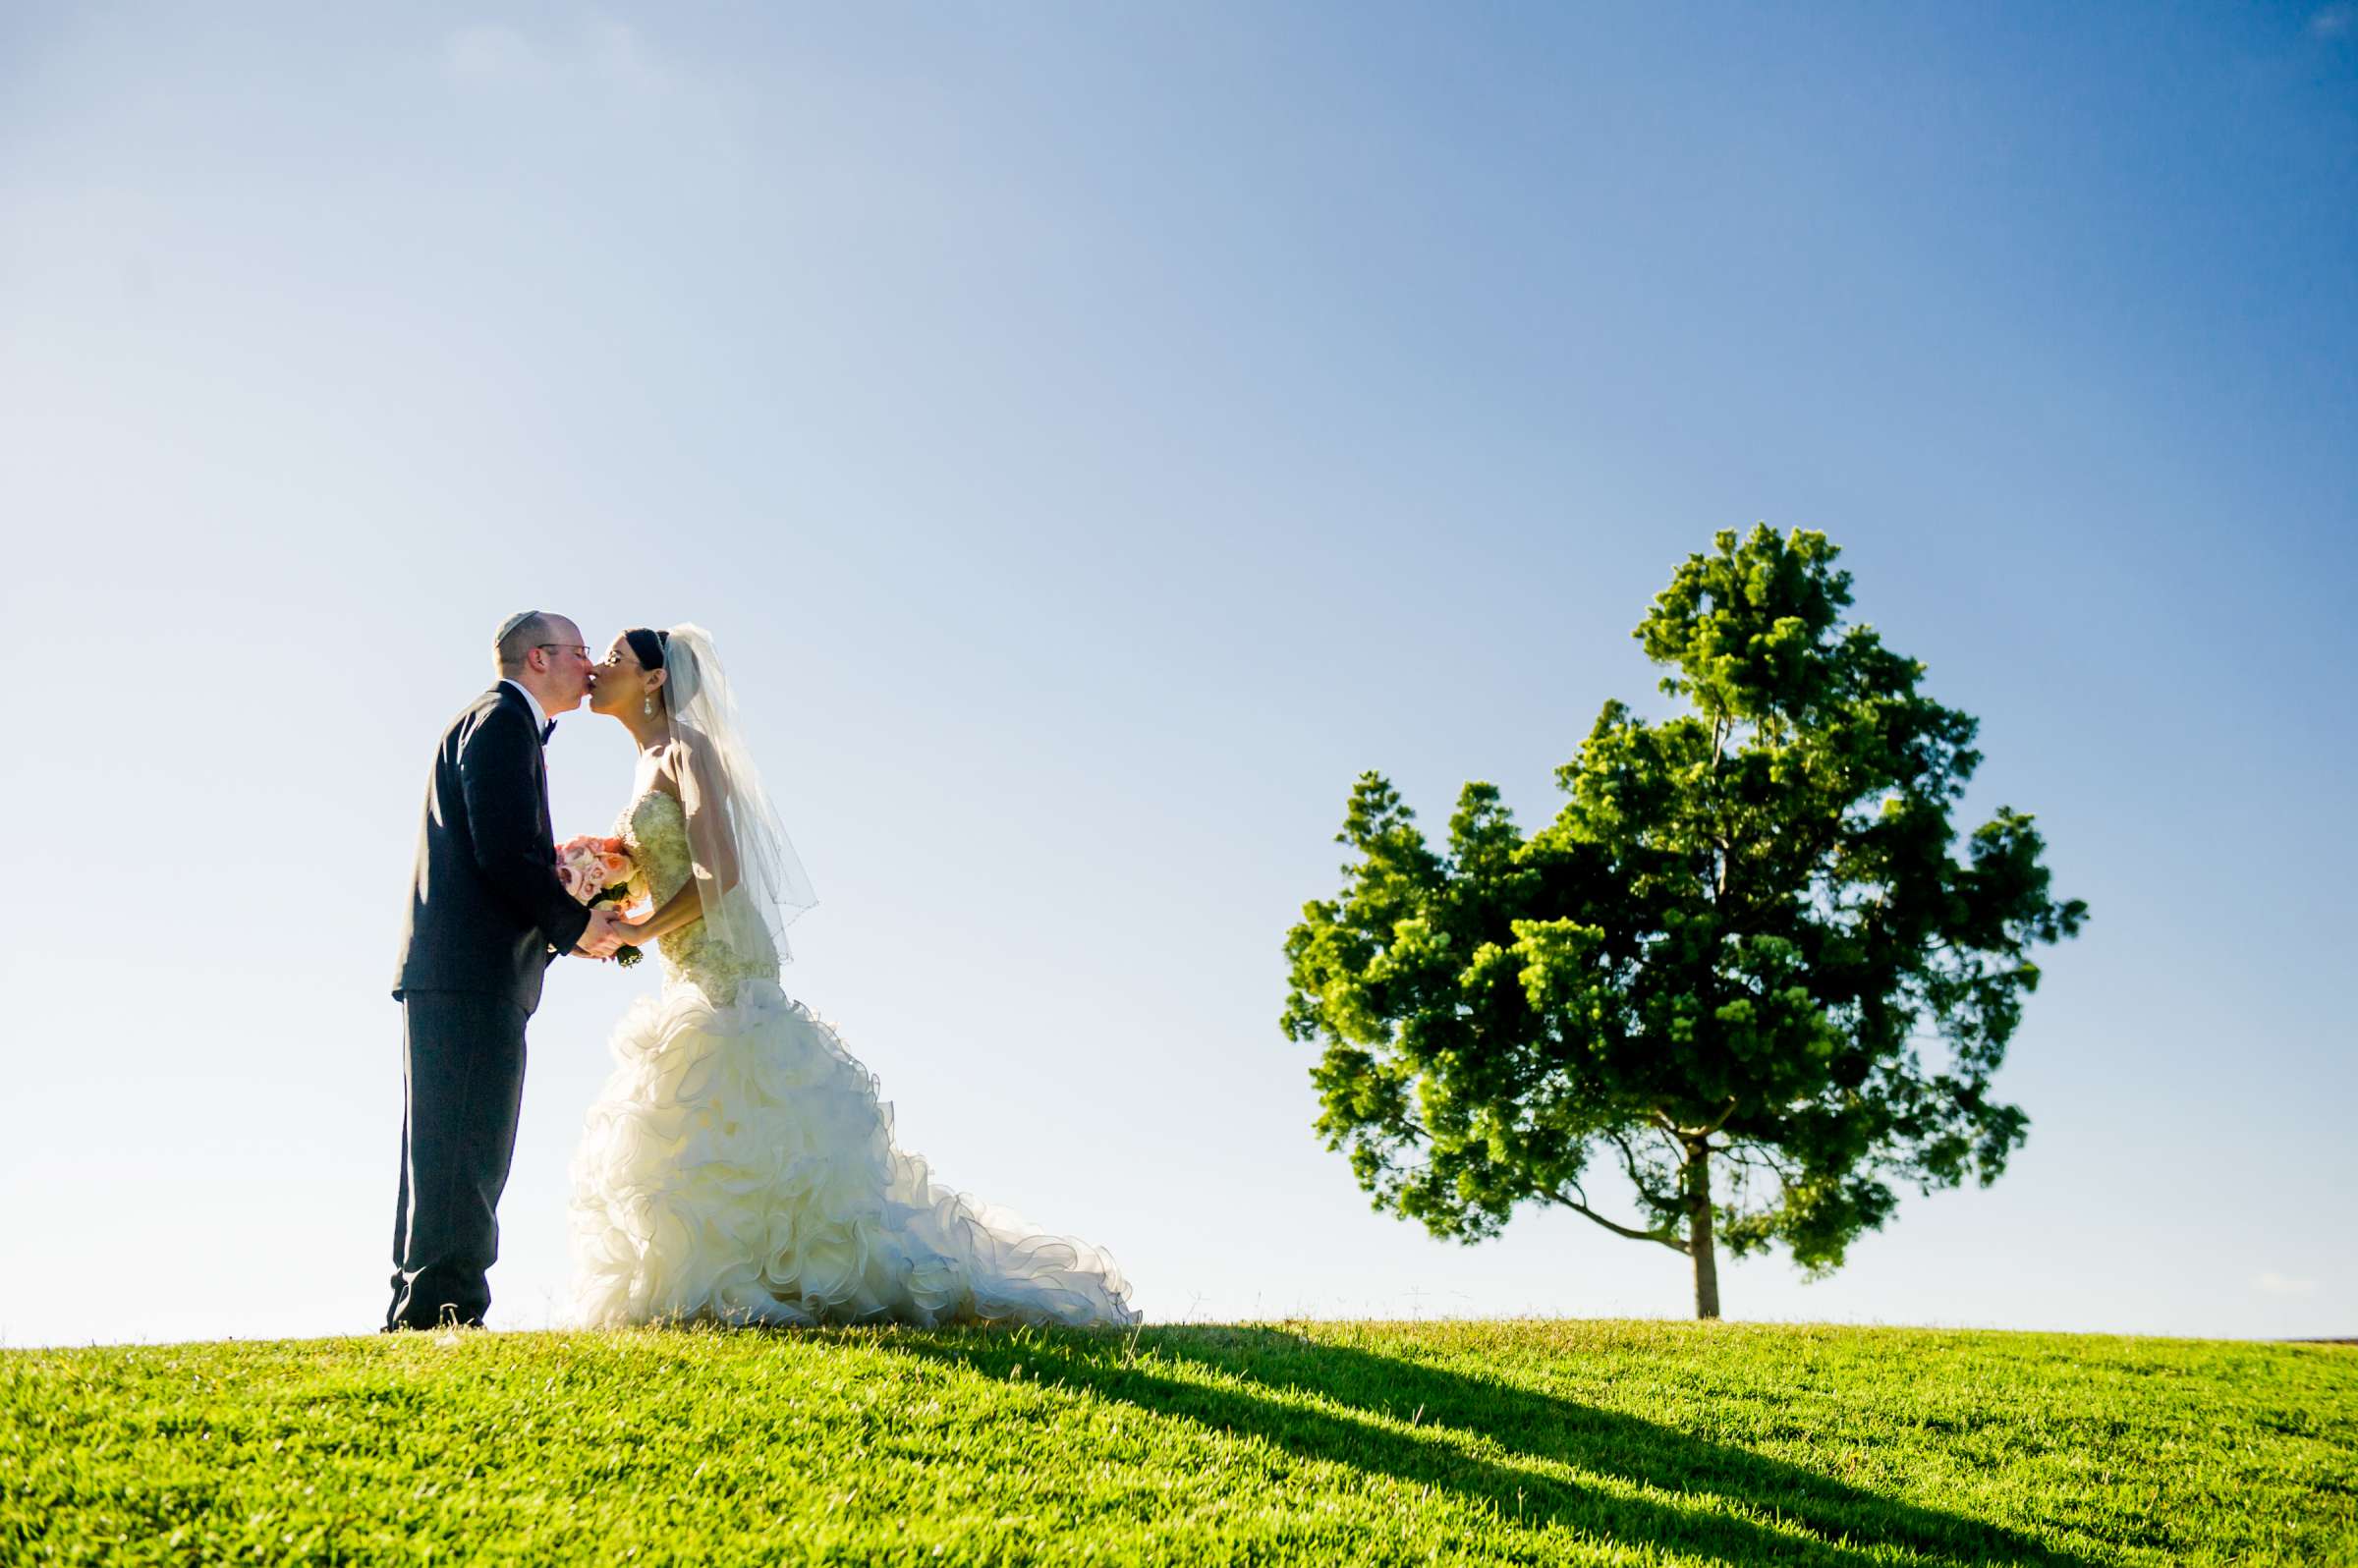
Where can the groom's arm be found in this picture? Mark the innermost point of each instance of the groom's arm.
(503, 814)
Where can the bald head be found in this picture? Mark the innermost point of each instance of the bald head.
(513, 644)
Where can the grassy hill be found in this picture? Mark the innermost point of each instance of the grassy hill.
(1556, 1442)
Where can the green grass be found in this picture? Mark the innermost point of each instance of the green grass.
(1551, 1442)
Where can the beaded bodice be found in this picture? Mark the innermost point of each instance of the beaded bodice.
(656, 832)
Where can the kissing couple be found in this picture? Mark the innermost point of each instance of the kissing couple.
(739, 1166)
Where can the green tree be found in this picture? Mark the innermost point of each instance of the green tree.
(1746, 964)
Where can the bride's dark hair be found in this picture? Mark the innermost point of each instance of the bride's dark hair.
(647, 647)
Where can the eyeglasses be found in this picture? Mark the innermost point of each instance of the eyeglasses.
(576, 646)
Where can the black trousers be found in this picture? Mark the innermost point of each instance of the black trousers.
(461, 1085)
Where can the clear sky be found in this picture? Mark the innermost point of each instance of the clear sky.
(1095, 433)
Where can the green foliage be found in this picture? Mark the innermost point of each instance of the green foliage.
(1735, 942)
(1305, 1443)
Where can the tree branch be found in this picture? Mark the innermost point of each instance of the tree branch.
(1668, 1238)
(1754, 1158)
(1684, 1137)
(1635, 1169)
(1757, 1155)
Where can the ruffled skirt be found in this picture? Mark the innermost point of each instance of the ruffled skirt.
(739, 1167)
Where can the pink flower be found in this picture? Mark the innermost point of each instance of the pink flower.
(587, 865)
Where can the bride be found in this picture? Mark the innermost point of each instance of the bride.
(738, 1167)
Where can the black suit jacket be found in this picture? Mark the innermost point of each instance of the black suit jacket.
(485, 906)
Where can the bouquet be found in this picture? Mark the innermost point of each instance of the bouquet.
(598, 871)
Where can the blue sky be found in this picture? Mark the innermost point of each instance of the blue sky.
(1095, 434)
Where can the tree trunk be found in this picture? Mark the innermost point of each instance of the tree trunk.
(1699, 1230)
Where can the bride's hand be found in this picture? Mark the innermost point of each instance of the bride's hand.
(600, 937)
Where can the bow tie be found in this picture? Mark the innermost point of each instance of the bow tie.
(547, 730)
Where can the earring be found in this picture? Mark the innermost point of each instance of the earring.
(648, 708)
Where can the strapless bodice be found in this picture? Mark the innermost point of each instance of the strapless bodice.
(656, 832)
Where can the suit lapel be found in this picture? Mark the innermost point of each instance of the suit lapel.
(541, 762)
(514, 699)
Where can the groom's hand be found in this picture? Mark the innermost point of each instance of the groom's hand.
(603, 935)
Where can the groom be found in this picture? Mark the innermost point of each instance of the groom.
(486, 917)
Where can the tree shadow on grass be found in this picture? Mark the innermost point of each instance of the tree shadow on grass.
(1365, 1393)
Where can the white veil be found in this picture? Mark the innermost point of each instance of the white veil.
(751, 882)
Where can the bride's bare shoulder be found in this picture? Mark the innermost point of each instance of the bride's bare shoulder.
(662, 766)
(684, 767)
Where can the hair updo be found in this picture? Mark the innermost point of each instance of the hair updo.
(652, 650)
(647, 648)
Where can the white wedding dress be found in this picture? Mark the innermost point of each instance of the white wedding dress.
(739, 1166)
